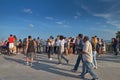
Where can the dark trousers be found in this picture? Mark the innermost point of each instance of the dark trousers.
(60, 57)
(79, 58)
(115, 50)
(50, 51)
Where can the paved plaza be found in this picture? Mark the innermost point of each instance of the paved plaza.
(14, 68)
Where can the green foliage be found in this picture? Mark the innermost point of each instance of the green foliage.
(118, 34)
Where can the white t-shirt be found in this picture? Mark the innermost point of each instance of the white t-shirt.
(51, 44)
(58, 43)
(62, 42)
(87, 48)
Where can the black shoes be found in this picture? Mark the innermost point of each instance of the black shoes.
(67, 61)
(82, 77)
(73, 70)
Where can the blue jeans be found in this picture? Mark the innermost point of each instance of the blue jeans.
(94, 59)
(79, 58)
(115, 50)
(87, 68)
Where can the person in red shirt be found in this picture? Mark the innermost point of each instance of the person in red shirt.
(11, 43)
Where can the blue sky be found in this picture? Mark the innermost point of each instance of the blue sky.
(52, 17)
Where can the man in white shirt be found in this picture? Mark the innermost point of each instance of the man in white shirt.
(61, 50)
(87, 59)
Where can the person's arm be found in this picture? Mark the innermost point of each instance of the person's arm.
(26, 47)
(85, 48)
(35, 44)
(60, 48)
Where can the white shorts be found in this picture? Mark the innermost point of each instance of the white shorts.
(11, 45)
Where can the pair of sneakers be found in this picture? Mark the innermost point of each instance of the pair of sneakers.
(82, 77)
(27, 63)
(67, 61)
(50, 59)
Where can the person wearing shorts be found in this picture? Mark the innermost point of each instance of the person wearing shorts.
(11, 43)
(30, 51)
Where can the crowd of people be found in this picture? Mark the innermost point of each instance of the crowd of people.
(86, 49)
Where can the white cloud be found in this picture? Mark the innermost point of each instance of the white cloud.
(109, 31)
(86, 8)
(110, 18)
(114, 22)
(28, 11)
(77, 15)
(31, 25)
(104, 30)
(60, 23)
(111, 15)
(106, 15)
(63, 24)
(67, 26)
(49, 18)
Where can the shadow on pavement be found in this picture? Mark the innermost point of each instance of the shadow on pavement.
(110, 58)
(45, 67)
(15, 60)
(48, 68)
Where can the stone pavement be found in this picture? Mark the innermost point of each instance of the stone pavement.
(13, 68)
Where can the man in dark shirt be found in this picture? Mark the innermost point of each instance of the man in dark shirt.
(30, 50)
(79, 46)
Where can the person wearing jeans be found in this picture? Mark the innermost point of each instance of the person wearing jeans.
(94, 51)
(87, 68)
(87, 59)
(94, 60)
(79, 45)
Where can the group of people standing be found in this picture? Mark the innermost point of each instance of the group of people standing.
(86, 49)
(11, 46)
(87, 54)
(116, 45)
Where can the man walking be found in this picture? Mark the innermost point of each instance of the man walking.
(30, 50)
(87, 59)
(61, 50)
(79, 46)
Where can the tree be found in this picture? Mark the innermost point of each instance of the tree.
(118, 34)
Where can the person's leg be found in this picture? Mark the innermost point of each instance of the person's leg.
(49, 52)
(115, 50)
(66, 51)
(57, 49)
(59, 58)
(94, 59)
(52, 50)
(84, 70)
(89, 69)
(10, 49)
(27, 58)
(62, 56)
(78, 62)
(31, 58)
